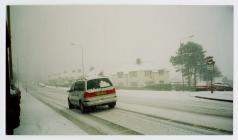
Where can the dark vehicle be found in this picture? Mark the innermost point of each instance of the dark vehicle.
(12, 109)
(89, 93)
(222, 87)
(13, 94)
(215, 86)
(202, 88)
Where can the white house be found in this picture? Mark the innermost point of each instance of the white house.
(140, 76)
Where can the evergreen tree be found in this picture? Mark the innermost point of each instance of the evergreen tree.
(190, 61)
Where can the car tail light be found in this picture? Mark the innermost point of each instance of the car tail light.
(89, 95)
(111, 91)
(93, 94)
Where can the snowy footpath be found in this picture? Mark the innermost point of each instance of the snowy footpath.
(37, 118)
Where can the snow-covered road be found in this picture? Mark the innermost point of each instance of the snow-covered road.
(145, 112)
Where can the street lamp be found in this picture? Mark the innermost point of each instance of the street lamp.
(181, 44)
(75, 44)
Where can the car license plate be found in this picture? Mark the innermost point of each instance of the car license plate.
(100, 93)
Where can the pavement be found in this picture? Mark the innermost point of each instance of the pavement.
(38, 119)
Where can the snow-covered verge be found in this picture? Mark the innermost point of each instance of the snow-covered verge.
(37, 118)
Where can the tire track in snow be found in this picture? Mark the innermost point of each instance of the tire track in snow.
(89, 128)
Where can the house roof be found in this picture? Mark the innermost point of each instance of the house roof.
(141, 67)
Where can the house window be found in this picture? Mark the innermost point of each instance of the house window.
(133, 74)
(120, 74)
(161, 72)
(134, 84)
(147, 73)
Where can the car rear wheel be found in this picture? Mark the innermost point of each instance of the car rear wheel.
(83, 108)
(112, 105)
(70, 105)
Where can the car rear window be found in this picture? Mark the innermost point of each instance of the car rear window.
(98, 83)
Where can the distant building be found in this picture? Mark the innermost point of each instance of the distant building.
(65, 78)
(140, 76)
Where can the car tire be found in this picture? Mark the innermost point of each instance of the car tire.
(112, 105)
(70, 105)
(83, 108)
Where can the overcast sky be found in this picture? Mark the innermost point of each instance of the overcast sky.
(114, 36)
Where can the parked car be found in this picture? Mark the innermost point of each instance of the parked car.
(202, 88)
(222, 87)
(89, 93)
(215, 86)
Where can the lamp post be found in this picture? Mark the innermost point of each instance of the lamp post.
(181, 44)
(75, 44)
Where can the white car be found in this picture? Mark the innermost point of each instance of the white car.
(88, 93)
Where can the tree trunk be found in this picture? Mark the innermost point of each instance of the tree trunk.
(189, 77)
(195, 77)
